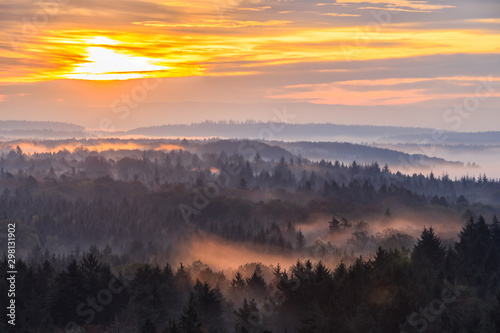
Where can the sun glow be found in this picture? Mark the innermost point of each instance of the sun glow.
(105, 63)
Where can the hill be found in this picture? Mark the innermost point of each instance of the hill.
(39, 129)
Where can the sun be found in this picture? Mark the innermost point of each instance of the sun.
(103, 62)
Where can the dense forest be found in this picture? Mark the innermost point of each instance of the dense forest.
(131, 240)
(430, 288)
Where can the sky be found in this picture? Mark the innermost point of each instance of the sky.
(121, 64)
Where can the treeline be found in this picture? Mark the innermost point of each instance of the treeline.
(156, 168)
(432, 288)
(59, 214)
(144, 206)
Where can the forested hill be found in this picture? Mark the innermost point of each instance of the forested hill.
(332, 151)
(315, 132)
(23, 125)
(268, 150)
(39, 129)
(344, 151)
(254, 130)
(269, 130)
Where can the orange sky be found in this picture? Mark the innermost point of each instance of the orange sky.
(412, 54)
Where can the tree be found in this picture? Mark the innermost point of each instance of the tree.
(334, 225)
(238, 283)
(148, 327)
(257, 159)
(495, 232)
(354, 168)
(346, 223)
(256, 283)
(300, 240)
(387, 215)
(247, 316)
(209, 305)
(314, 321)
(69, 294)
(171, 328)
(190, 322)
(428, 250)
(182, 279)
(321, 273)
(473, 245)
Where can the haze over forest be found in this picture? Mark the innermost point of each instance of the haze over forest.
(232, 224)
(405, 149)
(249, 166)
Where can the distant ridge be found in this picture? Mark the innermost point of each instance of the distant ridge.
(251, 129)
(344, 151)
(26, 125)
(11, 129)
(316, 132)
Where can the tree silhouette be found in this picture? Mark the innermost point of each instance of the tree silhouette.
(238, 283)
(428, 250)
(148, 327)
(300, 240)
(256, 283)
(190, 322)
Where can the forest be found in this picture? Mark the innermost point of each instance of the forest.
(172, 239)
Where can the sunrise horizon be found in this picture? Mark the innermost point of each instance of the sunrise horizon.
(404, 62)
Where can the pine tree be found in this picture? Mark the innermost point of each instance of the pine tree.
(334, 225)
(209, 305)
(321, 273)
(314, 321)
(256, 283)
(428, 250)
(473, 245)
(492, 258)
(248, 316)
(495, 232)
(190, 322)
(257, 159)
(387, 215)
(238, 283)
(300, 240)
(148, 327)
(340, 272)
(171, 328)
(182, 279)
(69, 294)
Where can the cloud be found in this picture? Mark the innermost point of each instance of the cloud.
(340, 15)
(212, 23)
(369, 53)
(390, 91)
(400, 5)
